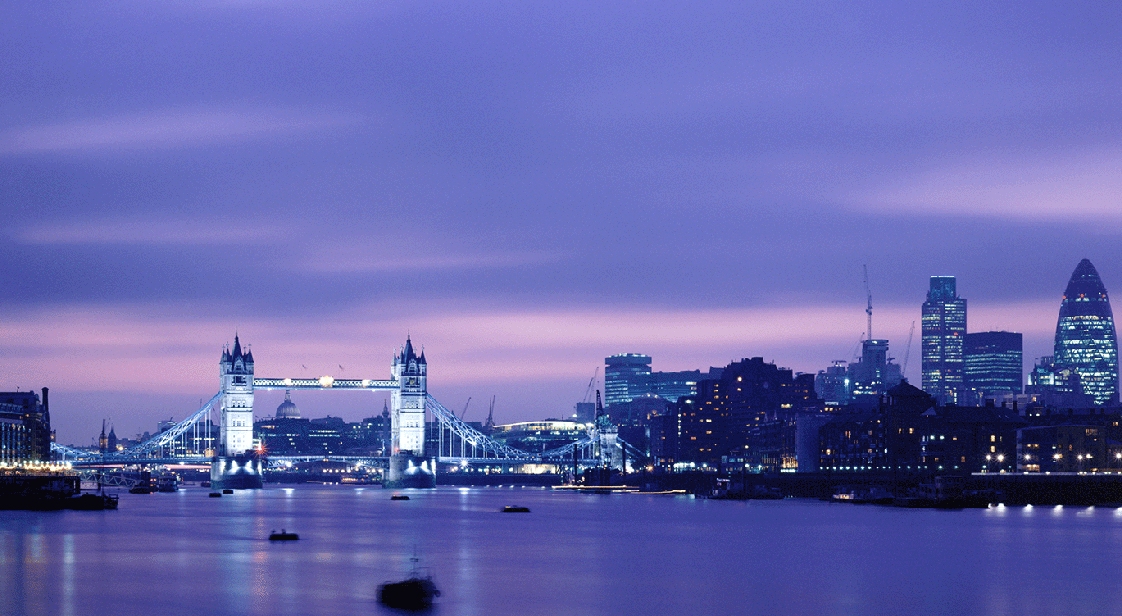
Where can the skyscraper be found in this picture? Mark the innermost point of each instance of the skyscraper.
(944, 330)
(1085, 338)
(626, 377)
(993, 364)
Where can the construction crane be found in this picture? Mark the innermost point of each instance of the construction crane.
(591, 385)
(869, 308)
(857, 351)
(465, 411)
(908, 350)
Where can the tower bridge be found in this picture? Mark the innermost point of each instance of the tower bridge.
(236, 464)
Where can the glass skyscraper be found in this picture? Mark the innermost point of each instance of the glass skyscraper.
(994, 365)
(1085, 338)
(626, 376)
(943, 334)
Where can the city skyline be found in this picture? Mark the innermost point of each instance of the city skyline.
(525, 190)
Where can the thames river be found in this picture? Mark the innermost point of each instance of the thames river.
(185, 554)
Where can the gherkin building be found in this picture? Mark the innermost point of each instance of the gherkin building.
(1085, 338)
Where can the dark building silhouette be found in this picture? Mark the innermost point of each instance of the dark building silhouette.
(872, 376)
(943, 334)
(289, 434)
(1079, 446)
(1056, 386)
(909, 434)
(1086, 341)
(743, 419)
(833, 385)
(993, 365)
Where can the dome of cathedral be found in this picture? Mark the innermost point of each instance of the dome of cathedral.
(287, 410)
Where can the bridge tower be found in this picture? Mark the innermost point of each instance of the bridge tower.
(236, 465)
(409, 467)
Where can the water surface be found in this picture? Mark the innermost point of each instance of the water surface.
(188, 554)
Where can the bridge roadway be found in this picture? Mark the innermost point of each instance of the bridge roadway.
(275, 461)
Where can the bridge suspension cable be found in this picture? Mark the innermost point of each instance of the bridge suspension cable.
(163, 439)
(471, 437)
(167, 437)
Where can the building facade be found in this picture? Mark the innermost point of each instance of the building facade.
(942, 340)
(236, 374)
(626, 376)
(25, 428)
(1086, 341)
(408, 424)
(993, 365)
(872, 376)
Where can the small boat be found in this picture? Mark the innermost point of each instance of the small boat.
(92, 502)
(216, 495)
(227, 491)
(412, 593)
(140, 490)
(515, 509)
(167, 483)
(399, 497)
(283, 536)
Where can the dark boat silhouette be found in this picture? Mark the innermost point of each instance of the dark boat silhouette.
(515, 509)
(413, 593)
(283, 536)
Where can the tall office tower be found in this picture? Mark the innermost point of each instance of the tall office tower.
(625, 377)
(993, 364)
(944, 330)
(1085, 338)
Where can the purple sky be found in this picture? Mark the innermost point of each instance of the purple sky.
(528, 187)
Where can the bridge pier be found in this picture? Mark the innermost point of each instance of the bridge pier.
(409, 471)
(242, 472)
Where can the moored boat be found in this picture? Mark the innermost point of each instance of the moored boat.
(416, 592)
(283, 536)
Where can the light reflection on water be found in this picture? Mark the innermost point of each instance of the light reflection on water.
(186, 553)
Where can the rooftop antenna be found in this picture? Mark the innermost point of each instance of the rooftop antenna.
(869, 308)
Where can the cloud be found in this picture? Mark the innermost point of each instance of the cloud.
(146, 231)
(170, 128)
(1063, 186)
(355, 257)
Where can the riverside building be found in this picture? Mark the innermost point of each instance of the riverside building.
(25, 428)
